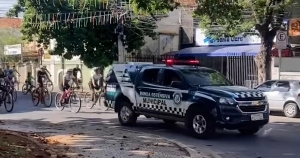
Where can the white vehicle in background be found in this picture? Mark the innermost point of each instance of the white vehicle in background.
(283, 95)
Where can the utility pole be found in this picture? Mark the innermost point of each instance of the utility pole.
(121, 10)
(120, 29)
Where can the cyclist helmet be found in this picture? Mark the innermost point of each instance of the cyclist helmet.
(44, 67)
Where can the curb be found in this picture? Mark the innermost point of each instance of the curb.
(191, 152)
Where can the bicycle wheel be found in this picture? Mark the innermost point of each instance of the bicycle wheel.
(47, 97)
(75, 101)
(35, 97)
(8, 102)
(58, 104)
(88, 100)
(49, 85)
(24, 89)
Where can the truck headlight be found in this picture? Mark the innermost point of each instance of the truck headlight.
(227, 101)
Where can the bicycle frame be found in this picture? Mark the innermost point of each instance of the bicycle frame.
(3, 94)
(68, 93)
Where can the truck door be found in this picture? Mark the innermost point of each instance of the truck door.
(174, 87)
(147, 89)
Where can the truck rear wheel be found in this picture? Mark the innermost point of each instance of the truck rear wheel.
(249, 131)
(200, 124)
(126, 115)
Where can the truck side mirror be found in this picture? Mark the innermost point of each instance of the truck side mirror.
(176, 84)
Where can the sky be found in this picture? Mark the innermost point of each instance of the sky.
(5, 5)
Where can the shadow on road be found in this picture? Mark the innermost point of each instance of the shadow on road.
(96, 137)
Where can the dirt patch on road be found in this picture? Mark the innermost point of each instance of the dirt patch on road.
(13, 145)
(25, 145)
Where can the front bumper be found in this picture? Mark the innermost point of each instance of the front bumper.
(234, 118)
(243, 121)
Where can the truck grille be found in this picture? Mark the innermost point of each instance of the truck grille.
(253, 108)
(250, 99)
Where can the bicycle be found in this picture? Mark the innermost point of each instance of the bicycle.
(40, 95)
(48, 83)
(26, 89)
(97, 97)
(70, 98)
(6, 98)
(11, 89)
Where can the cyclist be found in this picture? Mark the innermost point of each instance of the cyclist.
(46, 71)
(9, 77)
(41, 74)
(7, 69)
(95, 82)
(29, 80)
(15, 71)
(75, 74)
(68, 80)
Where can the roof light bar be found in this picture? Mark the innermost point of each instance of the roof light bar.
(170, 62)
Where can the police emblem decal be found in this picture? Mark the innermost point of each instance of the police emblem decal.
(177, 98)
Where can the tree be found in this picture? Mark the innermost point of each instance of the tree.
(245, 16)
(16, 9)
(81, 35)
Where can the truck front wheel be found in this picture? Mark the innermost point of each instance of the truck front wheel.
(200, 124)
(126, 115)
(249, 131)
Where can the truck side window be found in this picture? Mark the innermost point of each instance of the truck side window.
(169, 76)
(150, 76)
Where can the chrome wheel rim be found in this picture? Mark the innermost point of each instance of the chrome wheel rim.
(290, 110)
(125, 113)
(199, 124)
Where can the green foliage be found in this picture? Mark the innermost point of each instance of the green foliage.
(16, 9)
(151, 7)
(239, 16)
(95, 44)
(262, 17)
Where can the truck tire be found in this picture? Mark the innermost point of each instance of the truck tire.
(126, 115)
(200, 124)
(249, 131)
(169, 122)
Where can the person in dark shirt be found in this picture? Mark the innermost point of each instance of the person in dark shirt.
(41, 74)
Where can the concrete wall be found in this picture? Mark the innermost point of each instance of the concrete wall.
(168, 30)
(289, 69)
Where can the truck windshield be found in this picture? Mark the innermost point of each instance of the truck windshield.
(205, 77)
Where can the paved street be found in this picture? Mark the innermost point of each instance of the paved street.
(279, 139)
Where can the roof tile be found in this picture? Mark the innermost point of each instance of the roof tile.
(10, 23)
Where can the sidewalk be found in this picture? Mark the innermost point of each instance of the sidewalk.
(89, 138)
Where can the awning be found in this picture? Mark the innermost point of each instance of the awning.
(245, 50)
